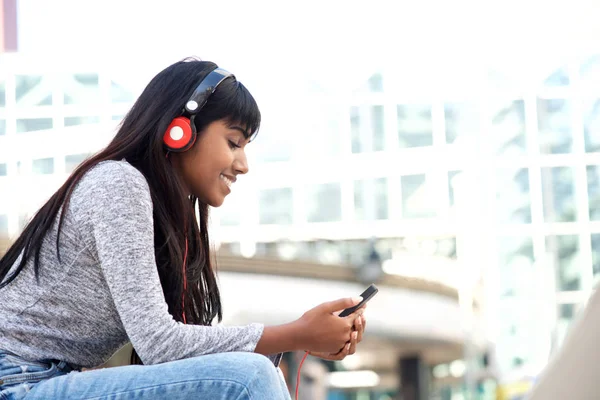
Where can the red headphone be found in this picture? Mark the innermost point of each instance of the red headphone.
(181, 133)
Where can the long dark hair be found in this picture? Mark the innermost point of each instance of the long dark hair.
(139, 141)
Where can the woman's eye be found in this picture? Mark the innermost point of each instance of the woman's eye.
(233, 145)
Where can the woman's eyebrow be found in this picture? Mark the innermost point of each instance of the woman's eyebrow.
(239, 128)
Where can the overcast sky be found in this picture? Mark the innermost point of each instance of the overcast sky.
(349, 36)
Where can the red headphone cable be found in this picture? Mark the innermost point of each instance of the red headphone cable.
(298, 376)
(184, 282)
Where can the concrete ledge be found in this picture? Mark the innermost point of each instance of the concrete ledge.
(307, 269)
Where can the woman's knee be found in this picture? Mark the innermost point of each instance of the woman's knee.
(254, 362)
(262, 375)
(256, 374)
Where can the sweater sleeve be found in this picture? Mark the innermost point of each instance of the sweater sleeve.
(118, 225)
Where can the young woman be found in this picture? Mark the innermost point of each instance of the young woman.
(121, 253)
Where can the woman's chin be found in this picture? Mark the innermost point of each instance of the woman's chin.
(216, 202)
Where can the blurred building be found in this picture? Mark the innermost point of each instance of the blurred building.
(52, 117)
(495, 169)
(484, 187)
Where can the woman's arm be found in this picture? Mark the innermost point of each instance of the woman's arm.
(279, 339)
(115, 210)
(113, 207)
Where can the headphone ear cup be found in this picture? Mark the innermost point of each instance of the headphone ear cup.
(179, 136)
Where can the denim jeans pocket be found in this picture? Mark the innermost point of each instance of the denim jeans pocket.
(18, 375)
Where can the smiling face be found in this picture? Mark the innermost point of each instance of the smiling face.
(211, 166)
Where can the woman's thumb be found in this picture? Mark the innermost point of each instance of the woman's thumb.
(341, 304)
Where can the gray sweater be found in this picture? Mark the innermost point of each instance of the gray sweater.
(106, 290)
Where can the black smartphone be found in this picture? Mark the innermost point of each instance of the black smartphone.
(366, 295)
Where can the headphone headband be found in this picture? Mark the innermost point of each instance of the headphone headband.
(205, 89)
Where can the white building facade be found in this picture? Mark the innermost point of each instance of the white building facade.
(485, 182)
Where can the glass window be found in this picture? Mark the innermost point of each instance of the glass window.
(554, 125)
(593, 185)
(563, 251)
(513, 201)
(2, 169)
(367, 140)
(43, 166)
(3, 225)
(2, 127)
(591, 125)
(33, 124)
(596, 256)
(376, 83)
(417, 197)
(567, 311)
(81, 89)
(324, 202)
(566, 314)
(516, 265)
(590, 73)
(276, 206)
(451, 176)
(370, 199)
(120, 94)
(446, 247)
(72, 161)
(508, 128)
(558, 194)
(355, 129)
(461, 119)
(558, 78)
(2, 94)
(32, 91)
(73, 121)
(415, 126)
(377, 124)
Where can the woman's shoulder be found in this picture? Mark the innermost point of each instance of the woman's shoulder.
(112, 176)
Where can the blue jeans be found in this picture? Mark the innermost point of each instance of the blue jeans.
(239, 376)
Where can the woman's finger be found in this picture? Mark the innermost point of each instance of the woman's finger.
(342, 354)
(359, 329)
(353, 341)
(352, 317)
(333, 357)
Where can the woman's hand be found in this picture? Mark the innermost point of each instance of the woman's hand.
(322, 331)
(350, 347)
